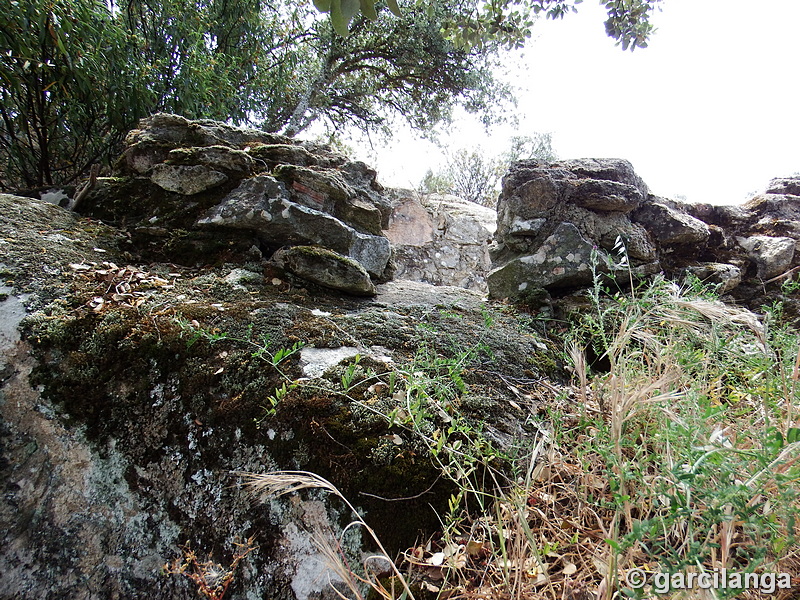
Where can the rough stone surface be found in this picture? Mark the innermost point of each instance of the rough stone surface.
(773, 255)
(588, 202)
(564, 259)
(725, 276)
(410, 224)
(224, 158)
(261, 204)
(124, 423)
(315, 362)
(734, 247)
(213, 189)
(669, 226)
(186, 179)
(597, 194)
(784, 185)
(441, 240)
(326, 268)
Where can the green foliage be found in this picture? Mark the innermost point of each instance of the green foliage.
(509, 22)
(390, 67)
(204, 59)
(468, 174)
(698, 445)
(77, 75)
(260, 348)
(474, 176)
(69, 88)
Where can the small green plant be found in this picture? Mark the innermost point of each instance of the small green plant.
(260, 349)
(791, 285)
(350, 373)
(277, 397)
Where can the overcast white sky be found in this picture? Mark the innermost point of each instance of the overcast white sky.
(710, 111)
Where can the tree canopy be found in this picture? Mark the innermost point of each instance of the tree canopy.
(75, 75)
(509, 22)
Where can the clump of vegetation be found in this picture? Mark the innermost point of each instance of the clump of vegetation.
(212, 579)
(682, 458)
(473, 175)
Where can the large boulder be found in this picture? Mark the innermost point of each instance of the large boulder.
(326, 268)
(262, 206)
(670, 227)
(772, 255)
(579, 209)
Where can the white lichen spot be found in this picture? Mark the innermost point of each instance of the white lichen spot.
(315, 361)
(286, 207)
(200, 476)
(523, 286)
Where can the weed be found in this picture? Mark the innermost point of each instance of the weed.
(684, 456)
(696, 439)
(260, 349)
(211, 578)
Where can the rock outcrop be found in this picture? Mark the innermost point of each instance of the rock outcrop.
(200, 191)
(194, 329)
(558, 221)
(132, 393)
(203, 188)
(562, 224)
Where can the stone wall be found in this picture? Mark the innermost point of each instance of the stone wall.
(202, 191)
(442, 240)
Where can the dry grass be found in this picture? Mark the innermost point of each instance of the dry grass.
(568, 529)
(266, 486)
(684, 458)
(212, 579)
